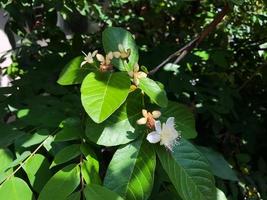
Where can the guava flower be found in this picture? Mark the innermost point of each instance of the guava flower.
(89, 58)
(105, 62)
(122, 53)
(136, 74)
(149, 118)
(166, 134)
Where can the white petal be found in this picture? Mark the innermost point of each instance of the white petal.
(158, 126)
(141, 121)
(109, 56)
(94, 53)
(156, 114)
(153, 137)
(170, 122)
(100, 57)
(141, 75)
(136, 67)
(83, 63)
(144, 112)
(116, 54)
(131, 73)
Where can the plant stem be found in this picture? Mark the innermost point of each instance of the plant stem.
(181, 53)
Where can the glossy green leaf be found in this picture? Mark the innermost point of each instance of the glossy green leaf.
(219, 165)
(154, 91)
(19, 159)
(15, 189)
(71, 130)
(90, 165)
(97, 192)
(73, 73)
(114, 36)
(6, 158)
(120, 128)
(103, 93)
(189, 171)
(62, 184)
(37, 170)
(68, 153)
(184, 119)
(131, 171)
(74, 196)
(32, 139)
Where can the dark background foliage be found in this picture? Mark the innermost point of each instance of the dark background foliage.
(223, 80)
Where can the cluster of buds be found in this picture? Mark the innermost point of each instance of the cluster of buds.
(105, 61)
(149, 118)
(136, 74)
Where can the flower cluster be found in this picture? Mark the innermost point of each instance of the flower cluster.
(105, 61)
(136, 74)
(164, 133)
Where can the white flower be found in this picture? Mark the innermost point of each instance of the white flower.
(89, 58)
(105, 62)
(136, 74)
(165, 134)
(122, 53)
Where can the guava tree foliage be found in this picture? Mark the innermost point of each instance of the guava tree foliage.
(117, 112)
(115, 93)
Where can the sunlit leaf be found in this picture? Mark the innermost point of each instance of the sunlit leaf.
(189, 171)
(154, 91)
(114, 36)
(103, 93)
(131, 171)
(15, 189)
(62, 184)
(97, 192)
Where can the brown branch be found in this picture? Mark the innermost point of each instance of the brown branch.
(181, 53)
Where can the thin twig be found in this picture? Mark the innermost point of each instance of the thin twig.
(25, 161)
(181, 53)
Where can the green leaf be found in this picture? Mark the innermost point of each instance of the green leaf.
(97, 192)
(184, 119)
(71, 130)
(37, 170)
(73, 73)
(219, 165)
(131, 171)
(68, 153)
(189, 171)
(154, 91)
(90, 166)
(114, 36)
(8, 134)
(6, 158)
(32, 139)
(103, 93)
(19, 159)
(74, 196)
(120, 128)
(15, 189)
(62, 184)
